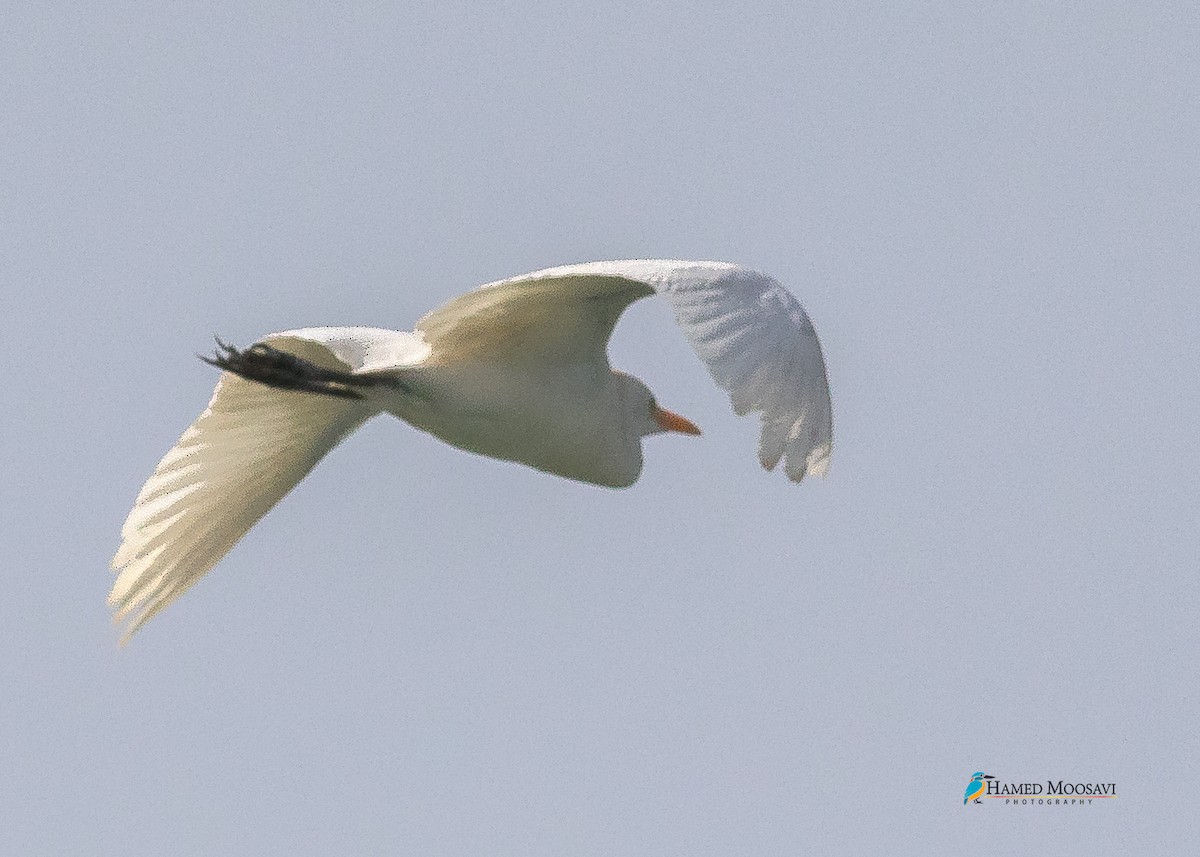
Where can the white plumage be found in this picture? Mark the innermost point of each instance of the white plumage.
(516, 369)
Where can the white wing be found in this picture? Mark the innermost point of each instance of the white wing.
(535, 318)
(249, 448)
(751, 333)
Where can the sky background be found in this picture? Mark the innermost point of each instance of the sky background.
(990, 212)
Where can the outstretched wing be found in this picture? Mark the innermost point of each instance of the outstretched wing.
(751, 333)
(536, 318)
(249, 448)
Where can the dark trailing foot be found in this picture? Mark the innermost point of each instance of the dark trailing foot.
(266, 365)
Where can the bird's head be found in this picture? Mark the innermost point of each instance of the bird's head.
(980, 775)
(643, 413)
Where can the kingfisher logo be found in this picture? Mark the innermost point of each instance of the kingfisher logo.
(1049, 793)
(976, 787)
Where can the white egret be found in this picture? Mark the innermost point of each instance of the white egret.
(516, 369)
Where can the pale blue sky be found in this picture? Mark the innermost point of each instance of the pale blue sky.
(991, 216)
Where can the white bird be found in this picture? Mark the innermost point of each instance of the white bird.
(516, 369)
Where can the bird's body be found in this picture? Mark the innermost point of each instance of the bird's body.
(590, 443)
(492, 410)
(516, 370)
(974, 790)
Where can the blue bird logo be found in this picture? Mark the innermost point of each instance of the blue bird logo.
(976, 787)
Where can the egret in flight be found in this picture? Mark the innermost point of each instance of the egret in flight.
(517, 370)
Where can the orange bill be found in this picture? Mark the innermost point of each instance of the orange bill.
(671, 421)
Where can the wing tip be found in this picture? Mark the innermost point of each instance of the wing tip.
(797, 466)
